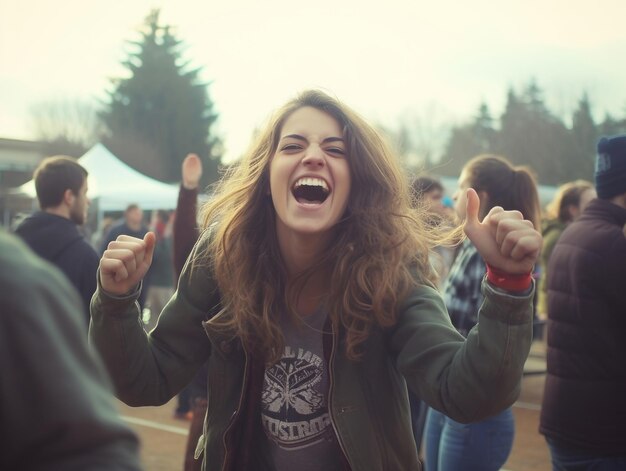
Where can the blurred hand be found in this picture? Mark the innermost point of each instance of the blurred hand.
(125, 263)
(191, 171)
(504, 239)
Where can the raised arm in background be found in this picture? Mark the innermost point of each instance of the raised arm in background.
(185, 225)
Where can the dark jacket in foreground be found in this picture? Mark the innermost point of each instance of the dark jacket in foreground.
(56, 409)
(468, 380)
(58, 240)
(584, 403)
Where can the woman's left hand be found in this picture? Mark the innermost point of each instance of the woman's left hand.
(504, 239)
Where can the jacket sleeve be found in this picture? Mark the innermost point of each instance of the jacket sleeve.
(57, 409)
(185, 233)
(149, 369)
(466, 379)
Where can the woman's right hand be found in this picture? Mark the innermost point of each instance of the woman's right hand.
(125, 262)
(504, 239)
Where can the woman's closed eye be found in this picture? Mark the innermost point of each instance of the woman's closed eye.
(291, 148)
(335, 151)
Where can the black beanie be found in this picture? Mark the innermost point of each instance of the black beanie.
(611, 167)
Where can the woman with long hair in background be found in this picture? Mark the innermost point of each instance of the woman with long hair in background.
(568, 203)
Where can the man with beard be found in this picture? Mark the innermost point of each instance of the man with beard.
(52, 233)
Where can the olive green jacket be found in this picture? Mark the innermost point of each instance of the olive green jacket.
(468, 380)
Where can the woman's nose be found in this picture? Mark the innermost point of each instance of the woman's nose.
(314, 156)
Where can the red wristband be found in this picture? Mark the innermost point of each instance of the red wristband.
(507, 281)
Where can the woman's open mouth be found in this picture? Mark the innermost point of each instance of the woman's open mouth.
(310, 190)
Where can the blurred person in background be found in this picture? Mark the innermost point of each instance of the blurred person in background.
(567, 205)
(430, 194)
(56, 406)
(131, 224)
(162, 271)
(97, 238)
(53, 233)
(185, 236)
(430, 197)
(584, 400)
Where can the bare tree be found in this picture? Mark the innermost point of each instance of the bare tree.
(70, 121)
(422, 135)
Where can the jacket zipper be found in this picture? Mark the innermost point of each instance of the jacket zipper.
(330, 396)
(237, 412)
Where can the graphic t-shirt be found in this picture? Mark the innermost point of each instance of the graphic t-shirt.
(295, 401)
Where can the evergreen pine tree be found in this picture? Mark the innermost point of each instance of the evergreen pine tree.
(585, 135)
(162, 111)
(531, 135)
(484, 132)
(461, 147)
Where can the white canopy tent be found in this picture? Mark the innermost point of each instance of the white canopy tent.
(113, 185)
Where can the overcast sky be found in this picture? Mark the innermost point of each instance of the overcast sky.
(385, 58)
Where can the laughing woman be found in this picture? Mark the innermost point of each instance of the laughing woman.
(311, 296)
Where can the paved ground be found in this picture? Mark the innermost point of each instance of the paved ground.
(164, 438)
(530, 452)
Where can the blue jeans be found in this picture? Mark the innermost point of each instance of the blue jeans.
(567, 459)
(481, 446)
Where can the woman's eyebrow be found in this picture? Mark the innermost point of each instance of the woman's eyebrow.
(293, 136)
(333, 139)
(302, 138)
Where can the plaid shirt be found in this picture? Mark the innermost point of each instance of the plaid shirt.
(461, 291)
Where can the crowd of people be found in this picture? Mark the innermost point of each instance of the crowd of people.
(338, 313)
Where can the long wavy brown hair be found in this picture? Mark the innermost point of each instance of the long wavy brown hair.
(379, 250)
